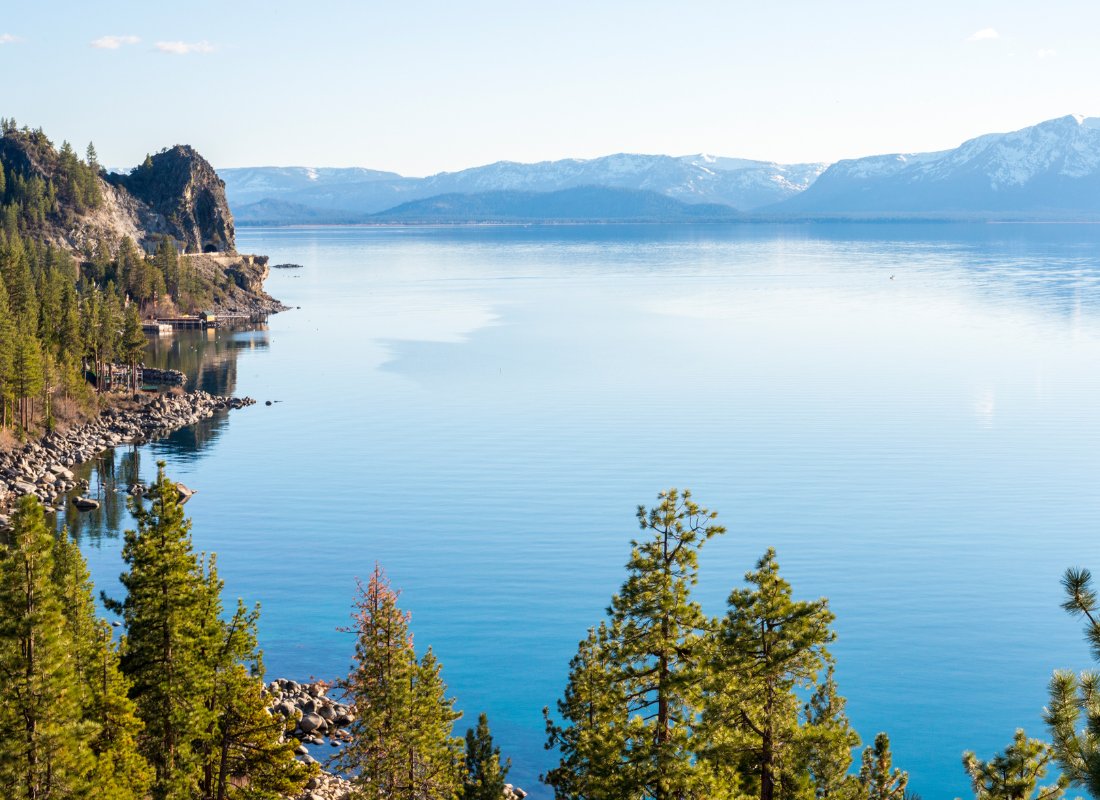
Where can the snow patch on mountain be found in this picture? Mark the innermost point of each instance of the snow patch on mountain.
(1052, 165)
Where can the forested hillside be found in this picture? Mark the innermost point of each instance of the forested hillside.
(83, 260)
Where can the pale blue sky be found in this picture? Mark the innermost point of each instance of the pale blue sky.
(421, 86)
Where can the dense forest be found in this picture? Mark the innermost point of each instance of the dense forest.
(662, 702)
(66, 317)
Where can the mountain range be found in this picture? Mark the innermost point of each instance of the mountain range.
(1046, 171)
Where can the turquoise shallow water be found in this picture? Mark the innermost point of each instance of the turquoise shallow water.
(482, 409)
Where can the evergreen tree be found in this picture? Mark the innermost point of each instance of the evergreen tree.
(244, 743)
(107, 337)
(659, 644)
(402, 747)
(1015, 774)
(769, 648)
(485, 773)
(26, 375)
(44, 753)
(434, 765)
(7, 357)
(877, 778)
(592, 740)
(119, 771)
(166, 645)
(827, 741)
(132, 346)
(15, 267)
(166, 260)
(649, 658)
(1073, 713)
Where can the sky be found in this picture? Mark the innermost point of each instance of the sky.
(419, 87)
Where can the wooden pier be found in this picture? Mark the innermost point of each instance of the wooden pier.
(206, 319)
(156, 326)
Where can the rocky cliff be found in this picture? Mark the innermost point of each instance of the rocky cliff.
(174, 193)
(179, 194)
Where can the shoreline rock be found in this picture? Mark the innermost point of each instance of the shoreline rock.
(44, 467)
(318, 716)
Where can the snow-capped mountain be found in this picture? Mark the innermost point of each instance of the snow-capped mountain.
(1052, 168)
(252, 184)
(739, 183)
(1049, 170)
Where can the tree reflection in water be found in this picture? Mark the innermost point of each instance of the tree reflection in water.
(209, 359)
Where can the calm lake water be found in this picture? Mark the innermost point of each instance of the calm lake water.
(908, 414)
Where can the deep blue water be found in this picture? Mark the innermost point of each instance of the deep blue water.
(482, 409)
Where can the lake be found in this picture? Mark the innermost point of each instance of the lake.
(910, 415)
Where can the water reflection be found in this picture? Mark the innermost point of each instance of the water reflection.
(209, 359)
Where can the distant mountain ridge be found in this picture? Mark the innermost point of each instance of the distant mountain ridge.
(578, 204)
(356, 193)
(1045, 171)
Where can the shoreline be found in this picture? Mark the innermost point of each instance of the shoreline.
(320, 717)
(43, 466)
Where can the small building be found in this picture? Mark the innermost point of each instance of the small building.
(208, 317)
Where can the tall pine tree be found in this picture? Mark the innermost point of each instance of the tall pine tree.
(119, 772)
(769, 648)
(591, 736)
(44, 752)
(485, 772)
(649, 658)
(402, 746)
(166, 646)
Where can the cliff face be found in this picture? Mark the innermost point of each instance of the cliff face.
(182, 196)
(175, 193)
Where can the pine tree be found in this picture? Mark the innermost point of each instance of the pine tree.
(485, 773)
(1073, 713)
(592, 740)
(769, 648)
(243, 743)
(646, 659)
(106, 338)
(26, 375)
(659, 644)
(15, 267)
(402, 747)
(434, 763)
(827, 740)
(1015, 774)
(44, 752)
(164, 652)
(166, 260)
(119, 772)
(877, 778)
(133, 343)
(7, 357)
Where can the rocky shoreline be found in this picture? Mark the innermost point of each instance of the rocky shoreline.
(316, 717)
(44, 467)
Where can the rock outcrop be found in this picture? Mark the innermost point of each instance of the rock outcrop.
(174, 193)
(181, 196)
